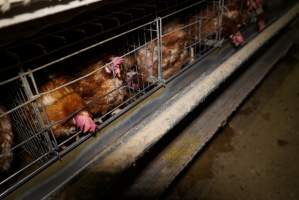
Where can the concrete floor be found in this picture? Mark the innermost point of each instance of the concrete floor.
(256, 156)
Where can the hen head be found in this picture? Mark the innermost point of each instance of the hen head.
(84, 122)
(115, 67)
(133, 80)
(237, 38)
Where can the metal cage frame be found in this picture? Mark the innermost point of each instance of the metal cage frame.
(29, 118)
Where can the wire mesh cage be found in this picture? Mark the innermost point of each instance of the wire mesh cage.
(189, 34)
(49, 110)
(25, 142)
(56, 106)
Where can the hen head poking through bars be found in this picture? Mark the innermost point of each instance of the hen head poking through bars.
(114, 67)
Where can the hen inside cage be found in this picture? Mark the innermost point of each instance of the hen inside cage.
(78, 96)
(49, 109)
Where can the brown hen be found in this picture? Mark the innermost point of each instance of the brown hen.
(6, 141)
(65, 108)
(174, 53)
(207, 22)
(103, 88)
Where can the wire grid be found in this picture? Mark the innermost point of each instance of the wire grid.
(243, 15)
(189, 34)
(109, 94)
(150, 56)
(29, 144)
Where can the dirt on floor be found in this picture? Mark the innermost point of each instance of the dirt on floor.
(256, 156)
